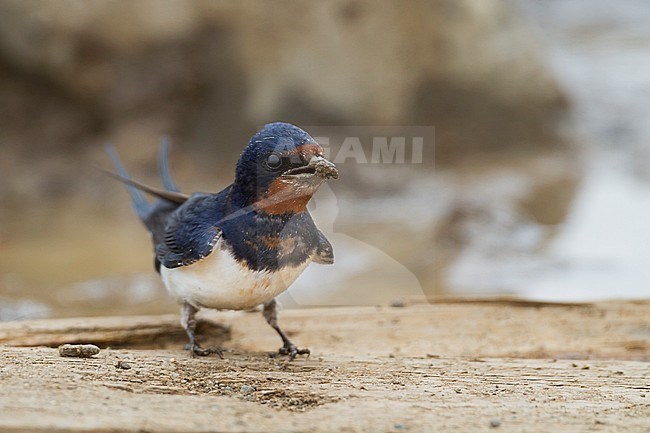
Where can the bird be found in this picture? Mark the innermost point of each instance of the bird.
(241, 247)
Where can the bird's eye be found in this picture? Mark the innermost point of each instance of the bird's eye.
(273, 161)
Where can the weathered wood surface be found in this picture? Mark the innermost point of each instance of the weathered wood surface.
(442, 367)
(131, 331)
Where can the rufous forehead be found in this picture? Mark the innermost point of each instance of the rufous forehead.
(307, 150)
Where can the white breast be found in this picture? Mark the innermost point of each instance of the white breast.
(220, 282)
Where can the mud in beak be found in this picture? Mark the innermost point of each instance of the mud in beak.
(318, 167)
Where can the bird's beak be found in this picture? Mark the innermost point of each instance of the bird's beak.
(323, 167)
(318, 167)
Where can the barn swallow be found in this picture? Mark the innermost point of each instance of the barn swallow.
(245, 245)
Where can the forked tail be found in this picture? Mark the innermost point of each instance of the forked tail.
(141, 206)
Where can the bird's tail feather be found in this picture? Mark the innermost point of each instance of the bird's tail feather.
(140, 204)
(163, 164)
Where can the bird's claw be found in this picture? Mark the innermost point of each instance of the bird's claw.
(197, 350)
(290, 350)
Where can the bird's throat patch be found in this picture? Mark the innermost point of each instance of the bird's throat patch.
(285, 196)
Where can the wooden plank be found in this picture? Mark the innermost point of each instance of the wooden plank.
(129, 331)
(443, 367)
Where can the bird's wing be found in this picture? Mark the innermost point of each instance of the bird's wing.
(324, 251)
(190, 232)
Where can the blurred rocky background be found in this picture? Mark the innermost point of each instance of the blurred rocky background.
(508, 85)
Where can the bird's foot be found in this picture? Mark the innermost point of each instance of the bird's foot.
(290, 350)
(196, 350)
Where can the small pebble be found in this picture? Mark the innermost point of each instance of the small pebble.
(78, 350)
(400, 426)
(494, 423)
(246, 389)
(398, 303)
(123, 365)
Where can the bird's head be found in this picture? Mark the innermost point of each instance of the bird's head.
(281, 168)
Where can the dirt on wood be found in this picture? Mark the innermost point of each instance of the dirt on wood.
(498, 366)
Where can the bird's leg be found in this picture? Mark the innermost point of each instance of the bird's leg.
(188, 321)
(270, 313)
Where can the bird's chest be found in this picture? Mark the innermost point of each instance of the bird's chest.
(220, 281)
(256, 259)
(272, 243)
